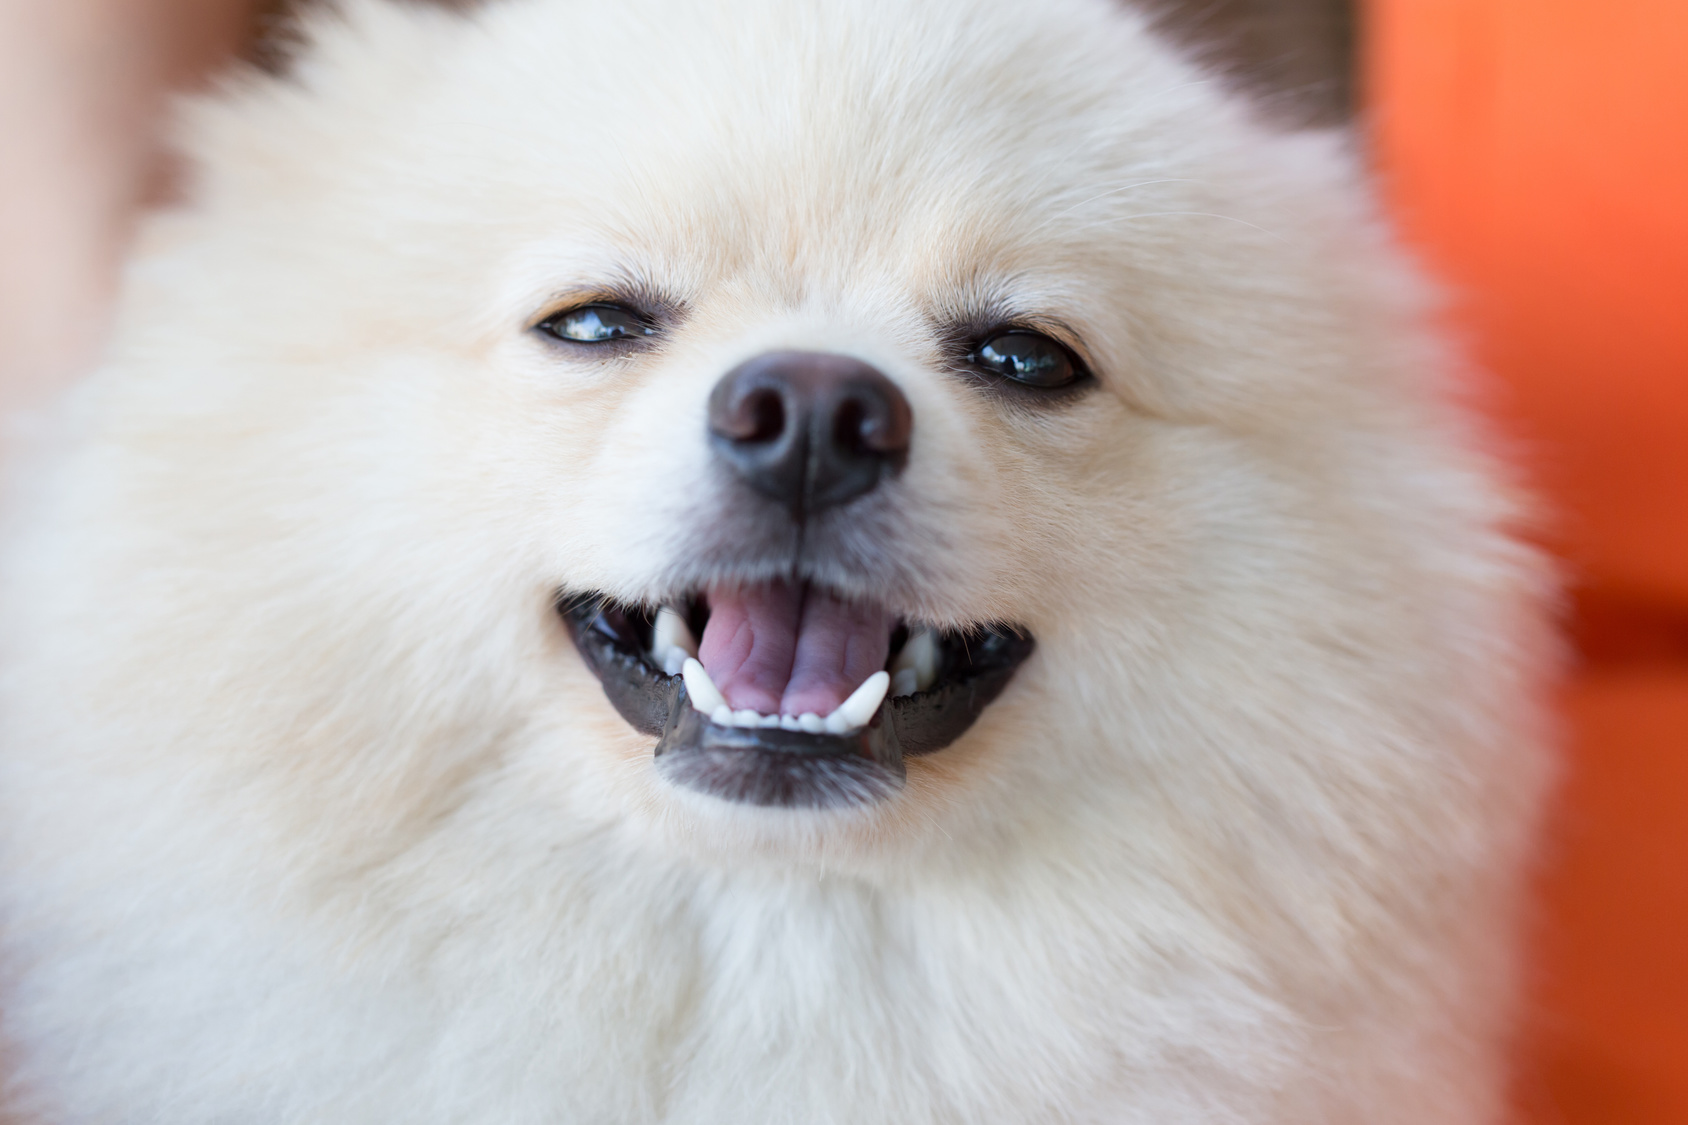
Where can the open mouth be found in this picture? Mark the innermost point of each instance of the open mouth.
(787, 695)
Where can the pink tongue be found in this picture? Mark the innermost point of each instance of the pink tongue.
(787, 650)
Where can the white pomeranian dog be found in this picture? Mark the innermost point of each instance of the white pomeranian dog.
(788, 561)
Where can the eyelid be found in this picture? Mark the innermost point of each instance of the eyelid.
(655, 308)
(632, 314)
(563, 308)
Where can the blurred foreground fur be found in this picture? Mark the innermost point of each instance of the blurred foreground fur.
(310, 811)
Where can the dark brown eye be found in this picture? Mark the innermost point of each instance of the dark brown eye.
(597, 324)
(1028, 358)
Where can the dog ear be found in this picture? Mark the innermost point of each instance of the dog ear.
(1294, 57)
(274, 37)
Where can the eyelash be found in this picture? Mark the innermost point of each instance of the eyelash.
(654, 312)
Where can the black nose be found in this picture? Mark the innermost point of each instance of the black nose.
(808, 429)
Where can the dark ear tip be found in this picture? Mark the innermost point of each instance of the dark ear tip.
(1294, 57)
(273, 37)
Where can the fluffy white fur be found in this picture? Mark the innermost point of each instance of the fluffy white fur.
(310, 812)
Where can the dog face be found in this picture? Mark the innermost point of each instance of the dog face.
(1004, 356)
(903, 556)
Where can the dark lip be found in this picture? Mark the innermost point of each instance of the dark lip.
(790, 769)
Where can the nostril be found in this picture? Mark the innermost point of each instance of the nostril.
(754, 415)
(764, 412)
(873, 420)
(850, 427)
(870, 424)
(878, 423)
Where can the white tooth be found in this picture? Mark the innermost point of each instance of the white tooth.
(722, 716)
(863, 702)
(671, 632)
(768, 721)
(836, 723)
(905, 682)
(811, 722)
(706, 697)
(789, 722)
(920, 655)
(746, 718)
(672, 643)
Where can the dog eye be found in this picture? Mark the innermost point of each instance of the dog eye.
(1028, 358)
(597, 324)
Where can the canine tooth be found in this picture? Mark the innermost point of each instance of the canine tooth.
(670, 632)
(706, 697)
(858, 710)
(789, 722)
(722, 716)
(905, 682)
(836, 723)
(811, 722)
(672, 643)
(747, 718)
(920, 655)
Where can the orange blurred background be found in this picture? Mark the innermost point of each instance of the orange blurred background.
(1535, 153)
